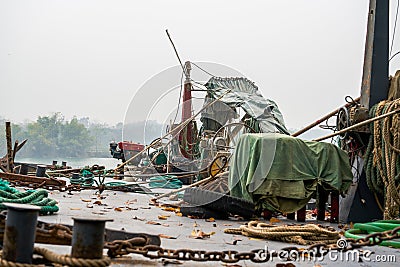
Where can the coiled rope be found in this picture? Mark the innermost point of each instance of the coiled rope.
(64, 260)
(307, 234)
(382, 157)
(34, 197)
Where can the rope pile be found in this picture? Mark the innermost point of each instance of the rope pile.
(34, 197)
(62, 260)
(307, 234)
(382, 157)
(165, 181)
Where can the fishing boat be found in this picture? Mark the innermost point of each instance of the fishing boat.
(252, 179)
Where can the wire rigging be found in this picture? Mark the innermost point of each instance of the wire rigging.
(398, 52)
(176, 52)
(394, 30)
(203, 69)
(179, 99)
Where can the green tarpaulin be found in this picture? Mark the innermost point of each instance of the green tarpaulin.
(280, 172)
(244, 94)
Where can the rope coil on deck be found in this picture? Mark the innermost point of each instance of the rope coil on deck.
(382, 157)
(63, 260)
(34, 197)
(299, 234)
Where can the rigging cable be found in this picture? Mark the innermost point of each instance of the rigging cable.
(203, 69)
(394, 30)
(398, 52)
(179, 99)
(176, 52)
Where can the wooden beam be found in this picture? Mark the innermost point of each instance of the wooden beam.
(10, 161)
(31, 179)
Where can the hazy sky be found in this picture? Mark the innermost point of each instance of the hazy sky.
(88, 58)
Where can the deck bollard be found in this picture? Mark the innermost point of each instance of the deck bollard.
(88, 237)
(75, 178)
(19, 233)
(24, 169)
(41, 170)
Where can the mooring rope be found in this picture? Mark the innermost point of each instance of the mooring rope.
(382, 157)
(63, 260)
(34, 197)
(300, 234)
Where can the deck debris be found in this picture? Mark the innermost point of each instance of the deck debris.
(153, 223)
(163, 217)
(199, 234)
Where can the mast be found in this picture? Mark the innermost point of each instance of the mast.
(375, 80)
(187, 133)
(361, 205)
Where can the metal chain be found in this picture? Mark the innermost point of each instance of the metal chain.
(120, 248)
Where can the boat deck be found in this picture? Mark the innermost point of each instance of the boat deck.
(132, 212)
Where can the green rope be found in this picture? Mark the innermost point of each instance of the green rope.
(166, 181)
(374, 178)
(374, 227)
(33, 197)
(85, 180)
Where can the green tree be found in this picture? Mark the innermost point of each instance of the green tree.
(74, 139)
(44, 134)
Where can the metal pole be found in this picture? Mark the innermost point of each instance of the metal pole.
(19, 233)
(357, 125)
(324, 118)
(88, 237)
(187, 113)
(375, 81)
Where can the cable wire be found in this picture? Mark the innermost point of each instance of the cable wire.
(180, 95)
(176, 52)
(398, 52)
(203, 69)
(394, 29)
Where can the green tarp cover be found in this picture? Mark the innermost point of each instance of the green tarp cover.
(245, 94)
(216, 115)
(280, 172)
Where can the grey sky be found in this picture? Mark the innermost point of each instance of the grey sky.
(88, 58)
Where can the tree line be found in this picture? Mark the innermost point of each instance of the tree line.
(54, 136)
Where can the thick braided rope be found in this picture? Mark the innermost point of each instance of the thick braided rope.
(393, 198)
(68, 260)
(263, 227)
(382, 165)
(58, 259)
(5, 263)
(302, 235)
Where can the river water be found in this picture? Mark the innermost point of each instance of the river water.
(109, 163)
